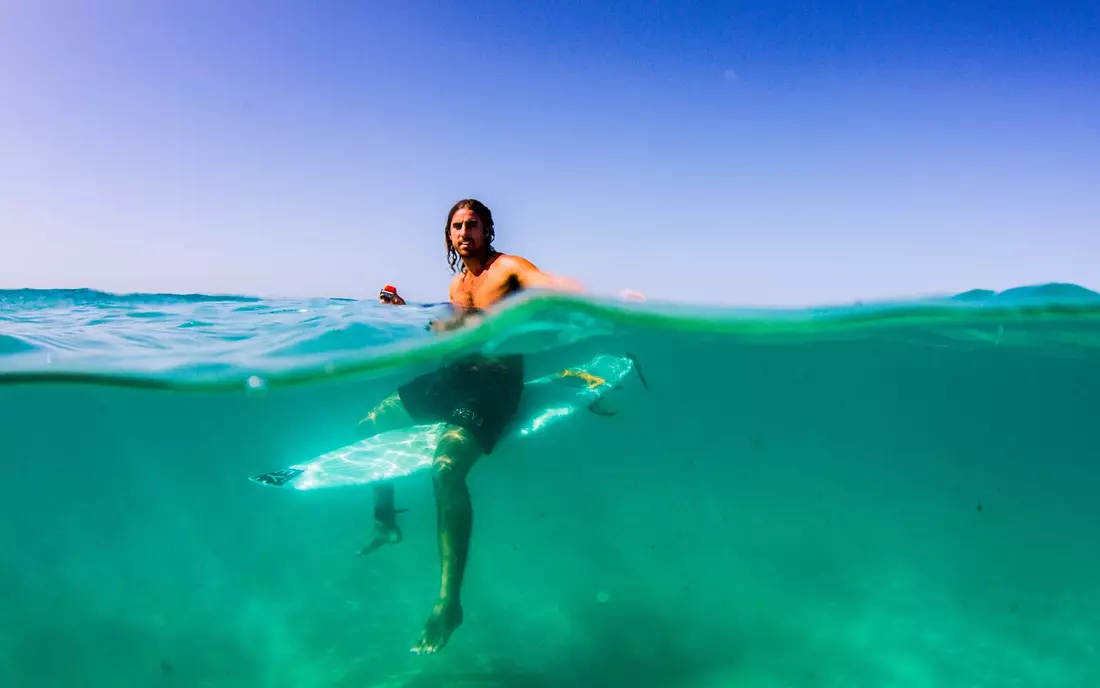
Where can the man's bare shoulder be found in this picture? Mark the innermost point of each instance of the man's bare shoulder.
(509, 263)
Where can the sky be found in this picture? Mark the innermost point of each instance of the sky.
(741, 153)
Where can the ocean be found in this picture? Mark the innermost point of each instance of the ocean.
(898, 494)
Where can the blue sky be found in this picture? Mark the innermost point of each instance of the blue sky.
(752, 153)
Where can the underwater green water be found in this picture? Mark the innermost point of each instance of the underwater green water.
(894, 495)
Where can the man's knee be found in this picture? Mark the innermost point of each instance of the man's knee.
(444, 472)
(389, 414)
(455, 454)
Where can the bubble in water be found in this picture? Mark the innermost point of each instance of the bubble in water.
(603, 596)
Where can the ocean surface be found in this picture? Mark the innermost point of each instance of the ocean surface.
(880, 495)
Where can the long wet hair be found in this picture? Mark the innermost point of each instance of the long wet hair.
(485, 215)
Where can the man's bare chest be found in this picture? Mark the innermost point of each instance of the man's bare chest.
(477, 292)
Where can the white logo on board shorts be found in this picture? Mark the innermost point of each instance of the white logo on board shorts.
(467, 414)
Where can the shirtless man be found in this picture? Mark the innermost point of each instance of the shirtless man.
(476, 396)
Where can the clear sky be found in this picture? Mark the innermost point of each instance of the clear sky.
(751, 153)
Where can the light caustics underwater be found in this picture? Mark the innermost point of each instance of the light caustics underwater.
(895, 494)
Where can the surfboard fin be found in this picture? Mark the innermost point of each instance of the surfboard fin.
(638, 369)
(599, 410)
(388, 514)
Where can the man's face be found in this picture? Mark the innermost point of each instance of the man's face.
(467, 234)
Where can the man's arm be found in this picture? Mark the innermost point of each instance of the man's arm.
(455, 321)
(524, 272)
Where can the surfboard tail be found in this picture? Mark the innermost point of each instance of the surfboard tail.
(277, 478)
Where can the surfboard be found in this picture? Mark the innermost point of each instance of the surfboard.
(545, 402)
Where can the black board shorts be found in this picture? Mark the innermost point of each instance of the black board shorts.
(479, 393)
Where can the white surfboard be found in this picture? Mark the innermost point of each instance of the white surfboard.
(545, 401)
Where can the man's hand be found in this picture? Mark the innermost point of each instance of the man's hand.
(390, 297)
(456, 321)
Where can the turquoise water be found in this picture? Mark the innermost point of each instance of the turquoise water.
(898, 494)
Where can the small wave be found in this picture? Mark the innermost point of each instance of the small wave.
(58, 297)
(1052, 294)
(11, 345)
(301, 340)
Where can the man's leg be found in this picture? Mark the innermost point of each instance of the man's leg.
(454, 457)
(388, 415)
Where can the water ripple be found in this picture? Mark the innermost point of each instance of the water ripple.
(200, 339)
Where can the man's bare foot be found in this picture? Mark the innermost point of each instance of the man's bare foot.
(385, 533)
(445, 618)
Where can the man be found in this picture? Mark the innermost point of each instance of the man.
(476, 396)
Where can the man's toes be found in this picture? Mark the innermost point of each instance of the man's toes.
(429, 643)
